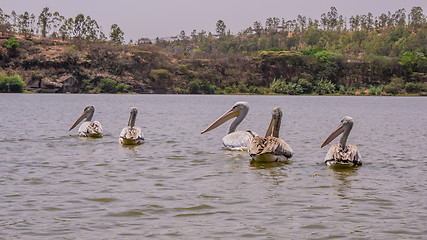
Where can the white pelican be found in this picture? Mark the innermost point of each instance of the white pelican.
(340, 153)
(131, 135)
(234, 140)
(88, 128)
(271, 148)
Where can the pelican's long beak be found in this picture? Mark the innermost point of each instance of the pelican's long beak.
(333, 135)
(234, 112)
(83, 116)
(132, 117)
(270, 127)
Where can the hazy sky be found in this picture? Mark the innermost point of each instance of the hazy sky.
(163, 18)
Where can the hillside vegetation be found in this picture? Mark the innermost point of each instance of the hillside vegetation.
(380, 55)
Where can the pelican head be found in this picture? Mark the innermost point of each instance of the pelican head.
(87, 114)
(132, 117)
(345, 126)
(276, 119)
(238, 110)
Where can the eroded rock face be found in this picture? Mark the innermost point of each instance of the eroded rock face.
(69, 84)
(64, 84)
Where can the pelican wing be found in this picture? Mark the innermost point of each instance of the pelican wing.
(265, 149)
(90, 129)
(353, 154)
(277, 146)
(256, 146)
(332, 152)
(239, 140)
(349, 155)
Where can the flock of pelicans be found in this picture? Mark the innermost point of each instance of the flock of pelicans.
(269, 148)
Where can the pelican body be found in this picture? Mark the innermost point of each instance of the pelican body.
(88, 128)
(340, 153)
(270, 148)
(131, 134)
(234, 140)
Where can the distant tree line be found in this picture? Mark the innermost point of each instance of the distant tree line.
(386, 34)
(48, 24)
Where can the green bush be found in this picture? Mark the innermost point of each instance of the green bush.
(11, 44)
(160, 74)
(324, 86)
(122, 87)
(412, 87)
(194, 86)
(391, 89)
(306, 86)
(376, 90)
(207, 87)
(294, 87)
(341, 89)
(108, 85)
(85, 86)
(12, 84)
(396, 84)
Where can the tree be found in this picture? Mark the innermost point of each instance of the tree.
(416, 18)
(302, 21)
(220, 27)
(257, 28)
(79, 26)
(116, 34)
(182, 35)
(400, 17)
(91, 27)
(57, 21)
(44, 21)
(15, 21)
(3, 17)
(332, 19)
(66, 29)
(24, 24)
(272, 24)
(382, 20)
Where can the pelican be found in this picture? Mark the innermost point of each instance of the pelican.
(88, 128)
(271, 148)
(234, 140)
(340, 153)
(131, 135)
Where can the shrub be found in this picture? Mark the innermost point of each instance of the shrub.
(108, 85)
(160, 74)
(351, 90)
(324, 86)
(412, 87)
(341, 89)
(194, 86)
(391, 89)
(122, 87)
(376, 90)
(277, 85)
(295, 87)
(394, 86)
(85, 86)
(11, 44)
(12, 84)
(410, 60)
(306, 86)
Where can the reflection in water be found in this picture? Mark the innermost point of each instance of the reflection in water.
(268, 165)
(344, 174)
(273, 172)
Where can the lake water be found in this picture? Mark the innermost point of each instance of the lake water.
(184, 185)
